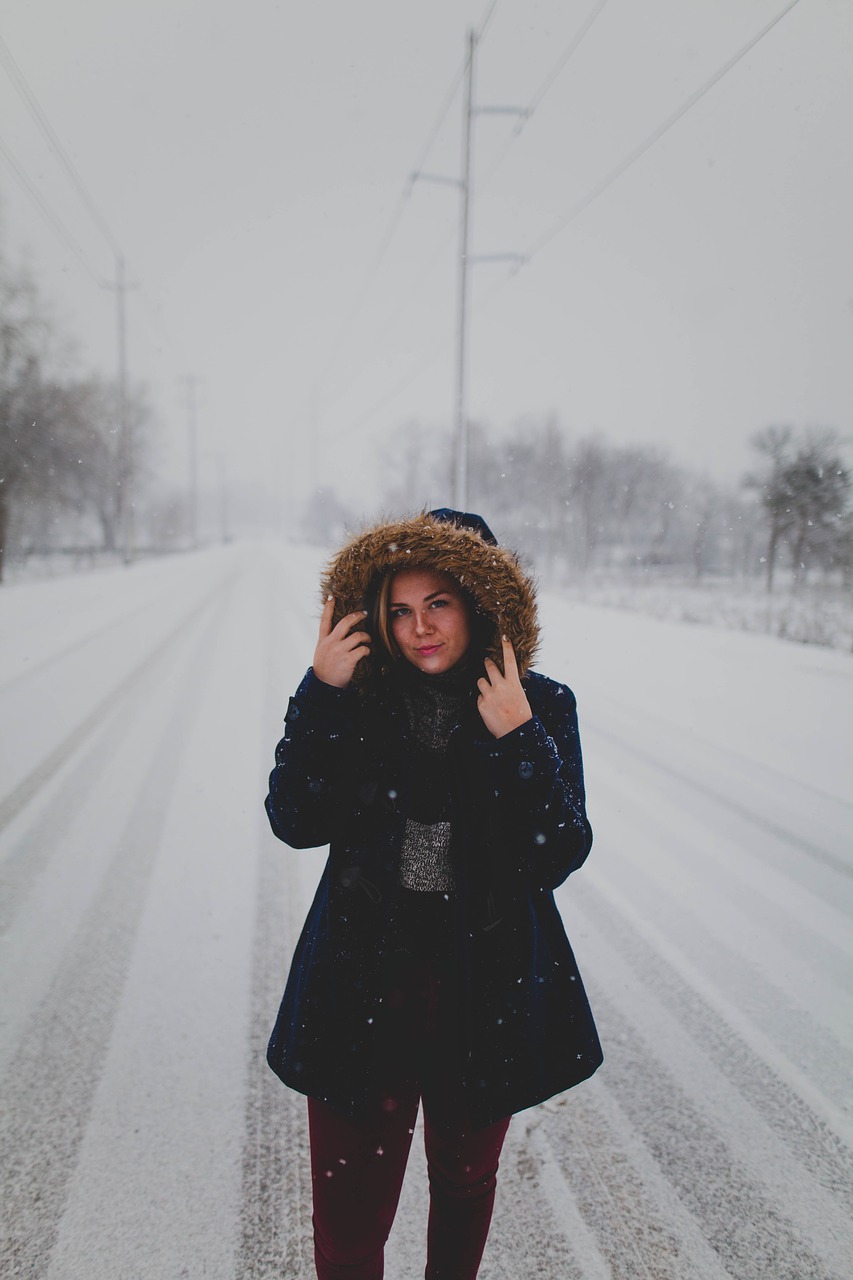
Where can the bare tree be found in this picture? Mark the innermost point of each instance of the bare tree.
(28, 460)
(774, 444)
(806, 494)
(100, 470)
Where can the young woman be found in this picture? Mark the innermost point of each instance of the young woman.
(433, 968)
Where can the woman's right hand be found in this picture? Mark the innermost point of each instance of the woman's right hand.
(339, 649)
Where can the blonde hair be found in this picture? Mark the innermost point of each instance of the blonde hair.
(382, 617)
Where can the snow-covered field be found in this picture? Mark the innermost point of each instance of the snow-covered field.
(146, 918)
(818, 614)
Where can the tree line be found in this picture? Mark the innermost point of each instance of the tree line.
(64, 462)
(574, 504)
(571, 504)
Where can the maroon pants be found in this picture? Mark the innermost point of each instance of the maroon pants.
(357, 1173)
(357, 1167)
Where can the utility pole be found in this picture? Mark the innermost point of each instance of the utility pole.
(191, 381)
(466, 260)
(124, 478)
(461, 433)
(223, 497)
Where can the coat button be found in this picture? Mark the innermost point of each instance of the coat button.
(292, 711)
(525, 770)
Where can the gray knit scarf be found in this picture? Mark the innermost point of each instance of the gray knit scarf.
(434, 705)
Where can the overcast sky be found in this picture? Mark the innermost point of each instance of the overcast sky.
(250, 160)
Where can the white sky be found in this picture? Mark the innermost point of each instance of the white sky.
(249, 159)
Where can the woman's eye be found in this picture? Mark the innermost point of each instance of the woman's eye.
(439, 604)
(399, 613)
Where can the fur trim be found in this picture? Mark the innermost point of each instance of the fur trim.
(501, 589)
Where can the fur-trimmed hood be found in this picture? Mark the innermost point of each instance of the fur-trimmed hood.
(501, 590)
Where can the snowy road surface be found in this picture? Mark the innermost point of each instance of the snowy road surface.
(147, 915)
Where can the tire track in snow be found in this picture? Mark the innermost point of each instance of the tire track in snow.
(72, 830)
(804, 1130)
(804, 1169)
(60, 655)
(721, 799)
(689, 852)
(746, 1229)
(28, 787)
(57, 1067)
(634, 1216)
(535, 1233)
(811, 1036)
(275, 1213)
(614, 1214)
(41, 839)
(674, 872)
(804, 897)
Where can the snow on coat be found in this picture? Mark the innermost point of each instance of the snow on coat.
(519, 829)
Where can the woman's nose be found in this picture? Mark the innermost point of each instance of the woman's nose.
(422, 622)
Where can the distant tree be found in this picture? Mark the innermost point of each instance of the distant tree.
(628, 499)
(102, 472)
(805, 492)
(28, 454)
(59, 434)
(588, 497)
(774, 444)
(701, 517)
(741, 532)
(520, 482)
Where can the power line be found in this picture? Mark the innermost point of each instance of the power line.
(556, 70)
(577, 209)
(653, 137)
(402, 203)
(390, 230)
(486, 19)
(565, 57)
(539, 94)
(339, 390)
(53, 219)
(404, 382)
(20, 81)
(409, 377)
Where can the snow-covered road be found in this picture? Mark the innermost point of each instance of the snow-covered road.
(146, 918)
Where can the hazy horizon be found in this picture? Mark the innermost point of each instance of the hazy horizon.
(252, 167)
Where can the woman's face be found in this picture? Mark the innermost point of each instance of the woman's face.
(429, 619)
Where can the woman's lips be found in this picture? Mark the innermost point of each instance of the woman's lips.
(428, 649)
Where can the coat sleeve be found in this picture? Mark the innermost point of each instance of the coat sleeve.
(536, 773)
(310, 760)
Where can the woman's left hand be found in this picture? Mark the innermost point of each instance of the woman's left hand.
(503, 703)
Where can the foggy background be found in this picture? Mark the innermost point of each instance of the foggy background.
(292, 292)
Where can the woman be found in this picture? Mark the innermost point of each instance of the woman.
(446, 778)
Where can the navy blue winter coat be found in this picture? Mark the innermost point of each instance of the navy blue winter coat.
(519, 829)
